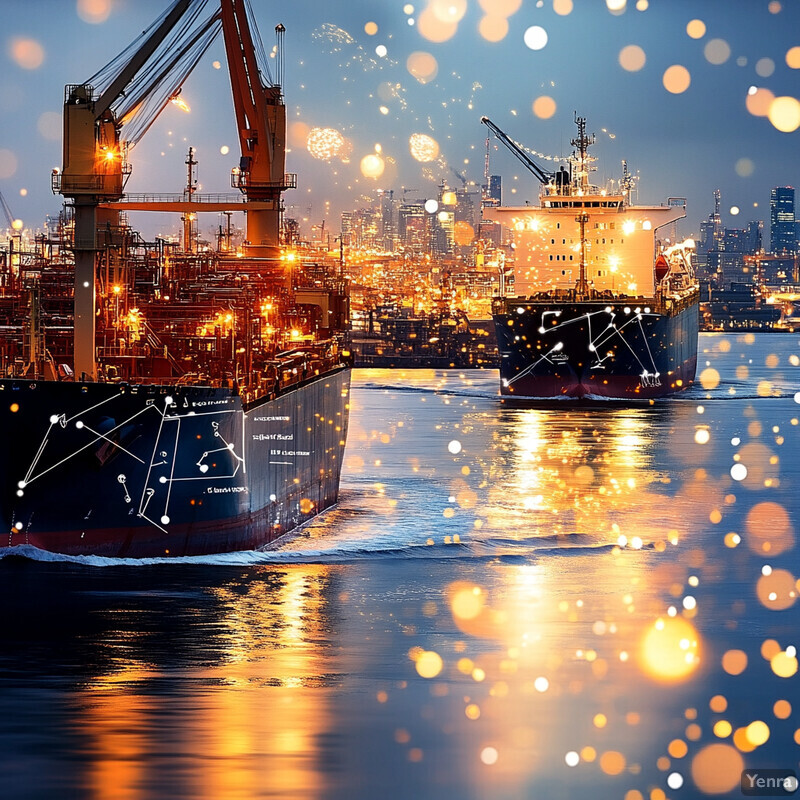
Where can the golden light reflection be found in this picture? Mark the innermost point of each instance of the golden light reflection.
(670, 650)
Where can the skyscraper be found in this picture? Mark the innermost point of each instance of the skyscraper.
(782, 229)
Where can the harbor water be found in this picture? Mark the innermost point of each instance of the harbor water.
(562, 600)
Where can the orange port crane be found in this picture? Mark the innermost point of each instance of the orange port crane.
(138, 84)
(261, 120)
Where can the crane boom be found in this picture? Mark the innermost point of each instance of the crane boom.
(542, 175)
(7, 211)
(261, 120)
(139, 58)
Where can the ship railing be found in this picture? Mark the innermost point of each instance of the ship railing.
(176, 197)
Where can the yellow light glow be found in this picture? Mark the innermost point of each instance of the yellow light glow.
(324, 143)
(423, 148)
(669, 650)
(429, 664)
(180, 103)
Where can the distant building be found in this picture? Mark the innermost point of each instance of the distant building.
(388, 225)
(754, 237)
(496, 189)
(782, 224)
(412, 226)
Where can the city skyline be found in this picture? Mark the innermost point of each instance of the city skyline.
(375, 80)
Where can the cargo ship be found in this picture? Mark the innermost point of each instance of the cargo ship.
(162, 398)
(601, 307)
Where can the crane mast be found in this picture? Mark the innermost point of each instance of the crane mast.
(261, 121)
(94, 155)
(93, 171)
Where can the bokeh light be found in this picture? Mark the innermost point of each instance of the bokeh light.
(765, 67)
(744, 167)
(734, 662)
(709, 378)
(49, 126)
(758, 101)
(717, 51)
(696, 29)
(676, 79)
(612, 762)
(463, 233)
(434, 29)
(562, 7)
(632, 58)
(783, 664)
(777, 590)
(371, 28)
(793, 58)
(94, 12)
(784, 114)
(502, 8)
(448, 10)
(669, 649)
(423, 66)
(717, 768)
(26, 53)
(769, 529)
(428, 664)
(423, 148)
(535, 37)
(8, 163)
(324, 143)
(544, 107)
(372, 166)
(493, 28)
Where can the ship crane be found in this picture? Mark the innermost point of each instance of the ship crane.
(542, 175)
(261, 121)
(94, 165)
(135, 87)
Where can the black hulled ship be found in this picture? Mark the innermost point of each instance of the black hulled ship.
(601, 307)
(159, 399)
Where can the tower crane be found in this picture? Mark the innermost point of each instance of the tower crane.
(542, 175)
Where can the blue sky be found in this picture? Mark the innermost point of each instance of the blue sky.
(684, 144)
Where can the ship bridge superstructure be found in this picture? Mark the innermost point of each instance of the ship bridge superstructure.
(582, 238)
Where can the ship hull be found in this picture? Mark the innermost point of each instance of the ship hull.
(154, 471)
(616, 350)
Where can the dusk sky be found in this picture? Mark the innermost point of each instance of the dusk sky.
(372, 72)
